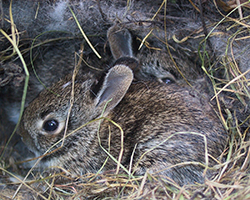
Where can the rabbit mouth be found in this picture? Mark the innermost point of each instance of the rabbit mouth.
(33, 149)
(31, 146)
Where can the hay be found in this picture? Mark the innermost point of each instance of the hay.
(231, 179)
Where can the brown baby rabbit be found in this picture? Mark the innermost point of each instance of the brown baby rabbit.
(166, 129)
(165, 121)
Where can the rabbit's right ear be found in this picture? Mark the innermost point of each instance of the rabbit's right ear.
(115, 86)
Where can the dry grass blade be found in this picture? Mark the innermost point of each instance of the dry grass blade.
(84, 35)
(232, 81)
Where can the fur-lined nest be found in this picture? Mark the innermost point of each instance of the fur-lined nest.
(213, 36)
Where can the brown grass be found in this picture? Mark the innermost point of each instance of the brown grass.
(231, 180)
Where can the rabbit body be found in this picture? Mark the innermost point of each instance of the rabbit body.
(159, 118)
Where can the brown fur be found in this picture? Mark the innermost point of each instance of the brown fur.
(149, 113)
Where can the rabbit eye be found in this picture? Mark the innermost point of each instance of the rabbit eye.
(167, 80)
(50, 125)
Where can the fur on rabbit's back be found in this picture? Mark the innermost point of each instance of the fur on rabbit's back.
(170, 123)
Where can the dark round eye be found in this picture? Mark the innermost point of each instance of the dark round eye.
(167, 80)
(50, 125)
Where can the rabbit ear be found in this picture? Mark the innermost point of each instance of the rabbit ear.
(115, 86)
(120, 41)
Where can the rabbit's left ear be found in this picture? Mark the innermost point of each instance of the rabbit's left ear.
(115, 86)
(120, 42)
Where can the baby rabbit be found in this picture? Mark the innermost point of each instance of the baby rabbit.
(166, 128)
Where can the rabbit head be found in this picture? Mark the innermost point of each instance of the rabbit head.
(44, 120)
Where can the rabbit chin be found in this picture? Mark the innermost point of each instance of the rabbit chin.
(43, 163)
(34, 151)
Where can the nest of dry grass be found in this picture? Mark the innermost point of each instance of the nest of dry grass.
(232, 177)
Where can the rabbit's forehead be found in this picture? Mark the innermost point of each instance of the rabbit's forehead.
(40, 109)
(53, 113)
